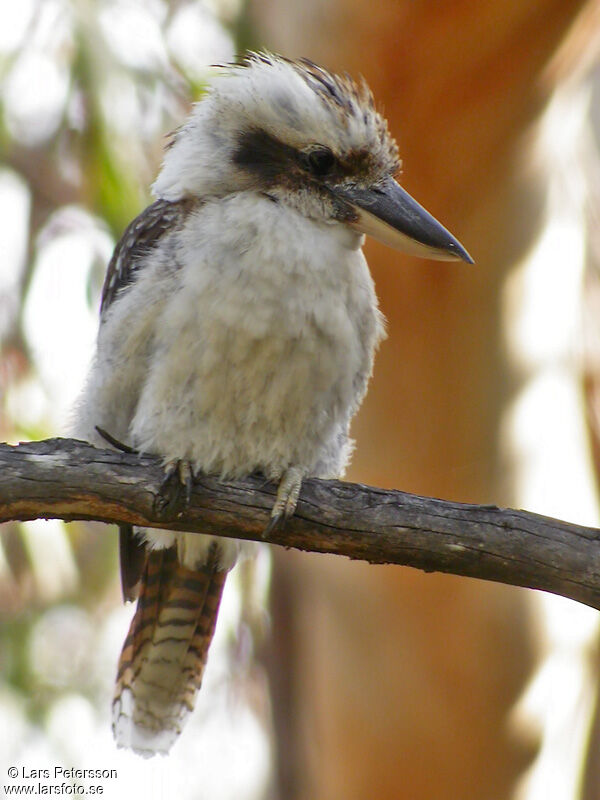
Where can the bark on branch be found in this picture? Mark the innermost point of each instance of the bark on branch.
(71, 480)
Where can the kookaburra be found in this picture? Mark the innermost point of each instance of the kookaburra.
(237, 332)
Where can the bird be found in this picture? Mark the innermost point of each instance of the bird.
(238, 327)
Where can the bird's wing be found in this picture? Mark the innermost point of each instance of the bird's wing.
(132, 560)
(140, 237)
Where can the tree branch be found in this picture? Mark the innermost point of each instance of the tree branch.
(71, 480)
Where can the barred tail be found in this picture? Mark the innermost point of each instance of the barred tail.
(164, 655)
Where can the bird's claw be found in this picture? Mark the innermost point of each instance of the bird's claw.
(288, 492)
(118, 445)
(179, 475)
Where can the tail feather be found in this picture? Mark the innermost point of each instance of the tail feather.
(165, 652)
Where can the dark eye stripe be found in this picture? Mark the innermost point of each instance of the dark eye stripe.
(264, 155)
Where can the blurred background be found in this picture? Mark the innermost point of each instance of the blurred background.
(328, 679)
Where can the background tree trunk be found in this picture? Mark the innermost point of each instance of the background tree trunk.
(399, 683)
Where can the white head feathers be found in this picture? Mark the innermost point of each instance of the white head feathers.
(296, 103)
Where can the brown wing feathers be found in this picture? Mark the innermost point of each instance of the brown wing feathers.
(142, 235)
(163, 658)
(132, 557)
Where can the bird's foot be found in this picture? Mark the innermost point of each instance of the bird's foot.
(288, 492)
(179, 477)
(180, 473)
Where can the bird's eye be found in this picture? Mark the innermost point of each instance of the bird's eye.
(320, 160)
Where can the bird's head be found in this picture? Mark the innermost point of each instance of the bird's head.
(306, 138)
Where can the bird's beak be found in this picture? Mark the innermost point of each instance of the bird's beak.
(390, 214)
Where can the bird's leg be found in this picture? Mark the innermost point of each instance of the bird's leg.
(288, 492)
(179, 473)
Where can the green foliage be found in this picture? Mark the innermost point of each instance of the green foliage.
(84, 108)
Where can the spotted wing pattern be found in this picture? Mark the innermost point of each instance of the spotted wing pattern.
(164, 655)
(140, 237)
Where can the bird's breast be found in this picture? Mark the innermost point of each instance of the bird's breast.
(264, 352)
